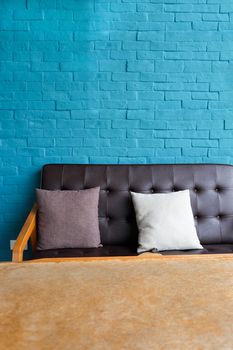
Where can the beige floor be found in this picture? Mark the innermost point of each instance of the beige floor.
(152, 303)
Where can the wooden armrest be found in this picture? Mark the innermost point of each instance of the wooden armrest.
(28, 231)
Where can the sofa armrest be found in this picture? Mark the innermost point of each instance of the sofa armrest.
(27, 232)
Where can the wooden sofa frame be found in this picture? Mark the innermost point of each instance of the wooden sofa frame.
(27, 232)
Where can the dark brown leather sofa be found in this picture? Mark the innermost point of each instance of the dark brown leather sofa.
(210, 185)
(211, 189)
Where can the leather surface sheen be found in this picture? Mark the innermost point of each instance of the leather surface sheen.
(211, 192)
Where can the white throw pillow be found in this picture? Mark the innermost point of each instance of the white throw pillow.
(165, 221)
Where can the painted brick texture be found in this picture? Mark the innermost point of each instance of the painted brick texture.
(110, 81)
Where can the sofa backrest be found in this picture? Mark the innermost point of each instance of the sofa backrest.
(210, 185)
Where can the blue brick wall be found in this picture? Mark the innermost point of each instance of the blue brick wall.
(110, 81)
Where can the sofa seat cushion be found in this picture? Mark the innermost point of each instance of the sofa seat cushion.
(85, 252)
(208, 249)
(125, 251)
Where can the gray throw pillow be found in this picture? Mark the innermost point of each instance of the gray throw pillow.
(68, 219)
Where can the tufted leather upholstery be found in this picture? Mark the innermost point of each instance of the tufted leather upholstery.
(211, 190)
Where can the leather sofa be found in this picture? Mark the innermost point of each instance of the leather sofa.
(211, 190)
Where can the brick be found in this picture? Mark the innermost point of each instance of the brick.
(195, 104)
(126, 76)
(219, 114)
(227, 55)
(121, 95)
(169, 67)
(103, 160)
(58, 35)
(205, 143)
(168, 105)
(194, 152)
(196, 86)
(215, 17)
(194, 36)
(123, 55)
(168, 86)
(228, 124)
(149, 55)
(112, 86)
(150, 35)
(166, 17)
(140, 114)
(151, 125)
(113, 133)
(90, 36)
(188, 17)
(192, 46)
(114, 151)
(197, 66)
(143, 7)
(79, 66)
(138, 152)
(93, 142)
(226, 143)
(202, 8)
(44, 46)
(153, 77)
(154, 143)
(149, 26)
(168, 152)
(206, 56)
(134, 17)
(141, 104)
(177, 96)
(140, 66)
(205, 25)
(139, 86)
(40, 142)
(139, 133)
(28, 15)
(210, 125)
(71, 124)
(124, 25)
(150, 95)
(123, 7)
(177, 143)
(127, 124)
(112, 66)
(136, 45)
(14, 25)
(123, 143)
(112, 114)
(205, 95)
(57, 76)
(181, 125)
(193, 134)
(15, 66)
(163, 46)
(219, 105)
(181, 77)
(178, 55)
